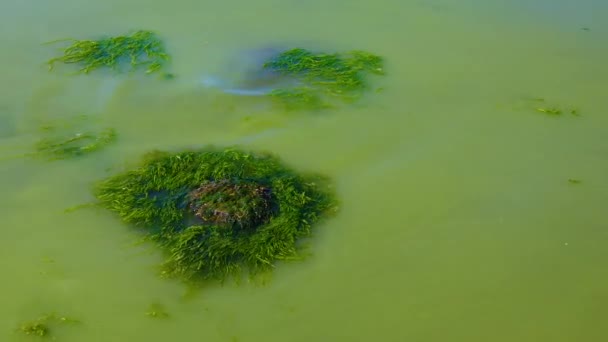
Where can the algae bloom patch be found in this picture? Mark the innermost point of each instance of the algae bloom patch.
(218, 213)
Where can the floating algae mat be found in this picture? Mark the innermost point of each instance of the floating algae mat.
(142, 49)
(63, 140)
(302, 79)
(218, 214)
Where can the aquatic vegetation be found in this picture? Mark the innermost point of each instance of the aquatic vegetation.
(541, 107)
(35, 328)
(574, 181)
(68, 138)
(75, 144)
(299, 98)
(57, 144)
(324, 76)
(42, 326)
(218, 214)
(140, 49)
(551, 111)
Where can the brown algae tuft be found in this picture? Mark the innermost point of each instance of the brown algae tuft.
(218, 214)
(323, 77)
(140, 49)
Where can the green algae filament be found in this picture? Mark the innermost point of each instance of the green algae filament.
(74, 144)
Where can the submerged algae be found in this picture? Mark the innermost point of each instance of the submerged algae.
(72, 138)
(74, 145)
(41, 327)
(300, 79)
(142, 48)
(323, 76)
(540, 105)
(218, 213)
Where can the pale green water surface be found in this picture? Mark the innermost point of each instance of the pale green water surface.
(457, 223)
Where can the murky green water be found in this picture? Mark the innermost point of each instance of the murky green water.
(458, 222)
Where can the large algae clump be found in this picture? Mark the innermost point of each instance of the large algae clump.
(140, 49)
(218, 213)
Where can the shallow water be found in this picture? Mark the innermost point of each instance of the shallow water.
(458, 222)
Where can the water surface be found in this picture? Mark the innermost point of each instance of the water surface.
(458, 222)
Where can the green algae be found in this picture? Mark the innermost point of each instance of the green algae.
(74, 144)
(324, 77)
(68, 138)
(540, 105)
(35, 328)
(43, 326)
(299, 98)
(72, 138)
(218, 214)
(142, 49)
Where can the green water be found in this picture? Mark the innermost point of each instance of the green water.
(457, 223)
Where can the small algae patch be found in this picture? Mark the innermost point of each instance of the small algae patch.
(35, 328)
(323, 77)
(300, 98)
(45, 325)
(549, 111)
(67, 138)
(76, 144)
(540, 105)
(218, 214)
(72, 140)
(142, 49)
